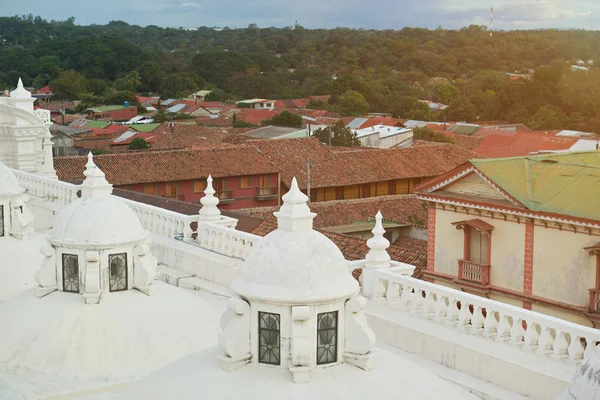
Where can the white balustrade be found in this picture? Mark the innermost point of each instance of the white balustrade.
(48, 189)
(536, 333)
(226, 241)
(163, 222)
(43, 115)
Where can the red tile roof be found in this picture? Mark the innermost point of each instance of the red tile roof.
(522, 144)
(252, 116)
(352, 167)
(45, 90)
(168, 166)
(406, 250)
(184, 136)
(215, 104)
(387, 121)
(402, 209)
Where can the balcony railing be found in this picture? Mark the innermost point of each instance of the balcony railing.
(43, 115)
(595, 300)
(545, 336)
(473, 272)
(268, 191)
(224, 195)
(226, 241)
(52, 190)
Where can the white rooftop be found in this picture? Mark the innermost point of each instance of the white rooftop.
(381, 130)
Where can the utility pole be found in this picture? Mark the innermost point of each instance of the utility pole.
(308, 180)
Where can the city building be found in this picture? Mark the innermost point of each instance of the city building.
(522, 230)
(113, 113)
(236, 315)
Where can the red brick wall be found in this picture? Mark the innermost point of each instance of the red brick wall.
(528, 262)
(431, 237)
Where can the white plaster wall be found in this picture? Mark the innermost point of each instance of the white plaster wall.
(449, 242)
(507, 367)
(562, 270)
(6, 216)
(562, 314)
(507, 254)
(285, 321)
(195, 260)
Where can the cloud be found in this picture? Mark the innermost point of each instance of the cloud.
(378, 14)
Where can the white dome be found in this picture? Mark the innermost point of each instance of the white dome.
(96, 221)
(9, 185)
(586, 383)
(295, 267)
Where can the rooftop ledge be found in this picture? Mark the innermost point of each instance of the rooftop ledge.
(521, 351)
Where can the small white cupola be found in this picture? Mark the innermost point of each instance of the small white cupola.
(15, 217)
(97, 245)
(21, 98)
(297, 306)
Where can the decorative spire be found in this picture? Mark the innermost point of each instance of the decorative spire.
(95, 184)
(295, 215)
(378, 257)
(20, 92)
(209, 210)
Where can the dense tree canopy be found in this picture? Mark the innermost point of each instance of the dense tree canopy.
(379, 71)
(337, 135)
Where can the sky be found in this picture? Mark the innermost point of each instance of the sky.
(373, 14)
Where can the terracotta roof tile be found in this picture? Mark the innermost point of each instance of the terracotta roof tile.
(522, 144)
(168, 166)
(403, 209)
(188, 137)
(332, 169)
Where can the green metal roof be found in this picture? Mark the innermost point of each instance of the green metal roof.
(566, 183)
(464, 129)
(146, 128)
(106, 108)
(97, 124)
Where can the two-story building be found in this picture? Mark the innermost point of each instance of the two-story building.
(242, 177)
(521, 230)
(113, 113)
(342, 173)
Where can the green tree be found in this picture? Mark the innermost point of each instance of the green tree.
(285, 118)
(138, 143)
(445, 93)
(461, 109)
(430, 135)
(352, 103)
(341, 135)
(421, 112)
(548, 117)
(69, 85)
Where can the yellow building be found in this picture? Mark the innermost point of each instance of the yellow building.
(521, 230)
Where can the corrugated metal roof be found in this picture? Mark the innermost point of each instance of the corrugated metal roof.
(356, 123)
(464, 129)
(411, 123)
(176, 108)
(167, 102)
(567, 183)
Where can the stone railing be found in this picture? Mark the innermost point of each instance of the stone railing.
(163, 222)
(539, 334)
(52, 190)
(473, 272)
(43, 115)
(226, 241)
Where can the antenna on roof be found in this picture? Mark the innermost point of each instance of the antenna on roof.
(491, 21)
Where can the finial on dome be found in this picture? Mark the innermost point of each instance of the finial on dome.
(20, 92)
(209, 210)
(378, 257)
(95, 184)
(294, 214)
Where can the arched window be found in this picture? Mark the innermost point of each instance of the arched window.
(117, 264)
(70, 273)
(327, 329)
(269, 351)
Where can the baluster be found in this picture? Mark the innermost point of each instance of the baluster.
(517, 331)
(417, 302)
(441, 308)
(186, 230)
(575, 348)
(545, 341)
(392, 294)
(381, 285)
(560, 347)
(530, 339)
(464, 317)
(490, 324)
(590, 346)
(226, 241)
(477, 321)
(429, 304)
(453, 311)
(406, 297)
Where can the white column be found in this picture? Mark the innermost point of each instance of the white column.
(377, 257)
